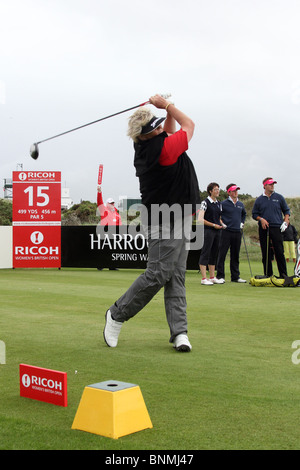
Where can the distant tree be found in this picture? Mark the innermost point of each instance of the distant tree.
(5, 212)
(84, 213)
(224, 195)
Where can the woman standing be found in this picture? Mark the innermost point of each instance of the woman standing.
(210, 216)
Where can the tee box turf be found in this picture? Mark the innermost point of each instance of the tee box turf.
(112, 409)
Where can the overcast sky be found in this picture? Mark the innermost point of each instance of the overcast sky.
(232, 65)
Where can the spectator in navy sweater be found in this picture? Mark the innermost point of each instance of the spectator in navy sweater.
(233, 218)
(268, 210)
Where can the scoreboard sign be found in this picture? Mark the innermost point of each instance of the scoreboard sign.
(36, 219)
(36, 196)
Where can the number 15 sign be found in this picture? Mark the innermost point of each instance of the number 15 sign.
(36, 219)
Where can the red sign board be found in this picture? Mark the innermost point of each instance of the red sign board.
(36, 219)
(36, 196)
(100, 174)
(37, 246)
(45, 385)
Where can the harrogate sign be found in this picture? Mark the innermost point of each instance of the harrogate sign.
(85, 246)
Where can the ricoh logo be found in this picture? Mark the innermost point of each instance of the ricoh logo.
(36, 238)
(36, 175)
(35, 250)
(26, 380)
(35, 381)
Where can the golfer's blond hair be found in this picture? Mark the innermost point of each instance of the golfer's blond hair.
(137, 120)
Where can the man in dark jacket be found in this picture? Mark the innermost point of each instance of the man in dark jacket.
(268, 210)
(166, 176)
(233, 218)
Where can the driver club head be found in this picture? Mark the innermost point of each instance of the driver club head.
(34, 151)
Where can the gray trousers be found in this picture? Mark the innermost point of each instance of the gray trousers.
(166, 268)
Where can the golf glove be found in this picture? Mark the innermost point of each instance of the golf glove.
(242, 226)
(284, 226)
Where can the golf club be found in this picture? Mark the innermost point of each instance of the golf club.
(268, 251)
(266, 263)
(247, 253)
(297, 264)
(34, 149)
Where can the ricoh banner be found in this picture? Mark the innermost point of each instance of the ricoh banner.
(36, 219)
(42, 384)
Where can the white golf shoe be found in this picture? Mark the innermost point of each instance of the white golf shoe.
(181, 343)
(215, 280)
(111, 330)
(206, 282)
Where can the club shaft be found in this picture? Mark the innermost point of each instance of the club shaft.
(247, 253)
(268, 251)
(93, 122)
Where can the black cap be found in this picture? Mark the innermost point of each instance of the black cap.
(153, 124)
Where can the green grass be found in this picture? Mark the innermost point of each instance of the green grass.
(237, 389)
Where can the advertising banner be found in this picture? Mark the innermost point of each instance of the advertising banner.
(37, 246)
(88, 247)
(45, 385)
(36, 219)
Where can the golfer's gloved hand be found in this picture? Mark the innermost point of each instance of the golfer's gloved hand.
(242, 225)
(283, 227)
